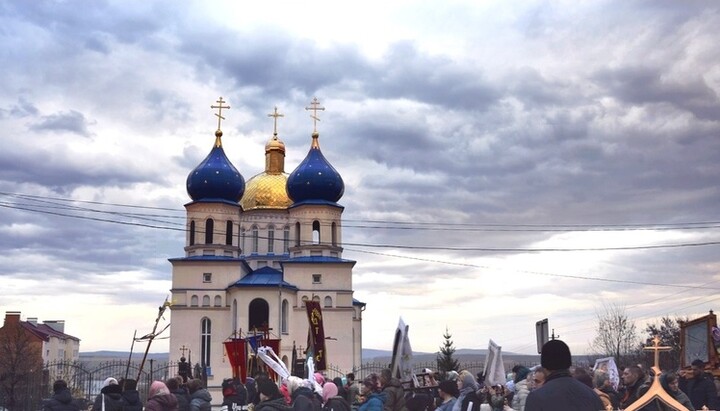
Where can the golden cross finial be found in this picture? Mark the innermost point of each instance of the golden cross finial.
(275, 114)
(220, 108)
(315, 106)
(657, 348)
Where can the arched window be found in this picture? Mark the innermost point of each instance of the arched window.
(328, 302)
(194, 301)
(259, 311)
(286, 240)
(316, 298)
(209, 227)
(285, 314)
(205, 333)
(206, 301)
(255, 239)
(316, 232)
(228, 232)
(218, 301)
(192, 232)
(271, 239)
(334, 234)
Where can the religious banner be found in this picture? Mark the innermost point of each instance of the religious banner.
(316, 335)
(400, 365)
(235, 349)
(607, 365)
(254, 341)
(494, 368)
(275, 345)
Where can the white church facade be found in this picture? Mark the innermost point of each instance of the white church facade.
(255, 252)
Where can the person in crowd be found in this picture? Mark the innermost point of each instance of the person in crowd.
(451, 375)
(251, 387)
(270, 397)
(522, 388)
(671, 385)
(604, 388)
(160, 398)
(497, 397)
(393, 390)
(467, 392)
(353, 388)
(635, 385)
(109, 397)
(234, 395)
(371, 396)
(538, 378)
(130, 396)
(332, 401)
(200, 398)
(700, 387)
(61, 399)
(303, 395)
(560, 391)
(177, 388)
(338, 381)
(448, 392)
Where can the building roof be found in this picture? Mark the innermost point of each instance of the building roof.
(264, 277)
(317, 259)
(45, 332)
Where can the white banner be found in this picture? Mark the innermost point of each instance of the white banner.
(494, 366)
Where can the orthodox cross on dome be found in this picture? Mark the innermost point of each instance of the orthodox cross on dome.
(315, 107)
(275, 114)
(657, 348)
(220, 108)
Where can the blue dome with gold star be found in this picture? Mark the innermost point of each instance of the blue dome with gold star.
(215, 178)
(315, 180)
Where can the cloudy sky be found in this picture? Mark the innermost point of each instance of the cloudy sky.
(504, 161)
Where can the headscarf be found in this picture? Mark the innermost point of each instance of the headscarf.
(109, 381)
(158, 388)
(329, 390)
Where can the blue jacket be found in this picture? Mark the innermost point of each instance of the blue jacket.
(374, 402)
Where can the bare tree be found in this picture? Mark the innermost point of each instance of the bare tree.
(617, 334)
(20, 365)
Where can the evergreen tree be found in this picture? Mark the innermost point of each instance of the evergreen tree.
(445, 360)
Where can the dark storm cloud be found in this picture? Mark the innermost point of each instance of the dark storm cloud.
(71, 121)
(62, 170)
(646, 85)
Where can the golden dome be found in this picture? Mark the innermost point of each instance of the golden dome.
(266, 191)
(275, 144)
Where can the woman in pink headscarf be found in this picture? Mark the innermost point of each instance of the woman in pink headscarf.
(331, 400)
(160, 398)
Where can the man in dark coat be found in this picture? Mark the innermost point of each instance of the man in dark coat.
(393, 390)
(180, 393)
(62, 399)
(561, 391)
(700, 388)
(130, 396)
(636, 385)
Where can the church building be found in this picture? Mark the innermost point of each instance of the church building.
(256, 251)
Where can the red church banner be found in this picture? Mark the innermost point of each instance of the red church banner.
(235, 349)
(275, 345)
(316, 334)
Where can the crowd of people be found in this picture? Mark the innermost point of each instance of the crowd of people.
(552, 385)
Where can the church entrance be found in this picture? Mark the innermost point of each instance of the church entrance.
(259, 311)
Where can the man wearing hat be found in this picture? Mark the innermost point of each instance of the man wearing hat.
(561, 391)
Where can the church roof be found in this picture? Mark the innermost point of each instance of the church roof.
(315, 178)
(264, 277)
(317, 259)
